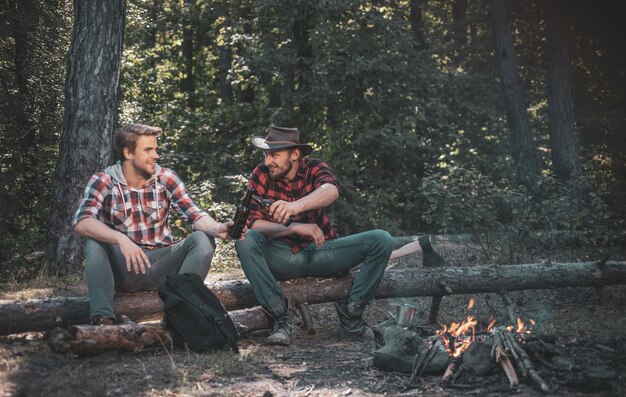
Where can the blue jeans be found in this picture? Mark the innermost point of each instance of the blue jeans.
(264, 261)
(105, 268)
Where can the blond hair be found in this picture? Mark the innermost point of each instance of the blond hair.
(126, 137)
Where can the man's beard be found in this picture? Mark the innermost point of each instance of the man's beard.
(143, 172)
(281, 173)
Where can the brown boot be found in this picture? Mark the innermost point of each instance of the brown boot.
(283, 327)
(351, 321)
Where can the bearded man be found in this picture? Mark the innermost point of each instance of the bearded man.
(294, 237)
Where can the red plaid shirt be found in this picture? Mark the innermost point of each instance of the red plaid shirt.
(141, 214)
(311, 175)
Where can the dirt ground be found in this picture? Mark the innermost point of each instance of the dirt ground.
(586, 326)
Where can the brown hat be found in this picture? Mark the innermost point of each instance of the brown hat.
(281, 138)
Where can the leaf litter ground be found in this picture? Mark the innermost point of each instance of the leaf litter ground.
(587, 326)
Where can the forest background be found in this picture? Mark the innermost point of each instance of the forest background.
(502, 120)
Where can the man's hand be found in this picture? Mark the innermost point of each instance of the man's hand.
(136, 260)
(281, 211)
(221, 230)
(213, 228)
(310, 230)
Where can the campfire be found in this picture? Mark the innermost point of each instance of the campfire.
(465, 346)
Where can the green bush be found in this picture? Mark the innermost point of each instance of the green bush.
(510, 223)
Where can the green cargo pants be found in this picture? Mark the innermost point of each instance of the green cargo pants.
(105, 268)
(265, 260)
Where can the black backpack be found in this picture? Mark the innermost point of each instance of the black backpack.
(194, 316)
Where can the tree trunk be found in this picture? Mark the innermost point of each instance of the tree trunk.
(300, 30)
(459, 22)
(39, 315)
(225, 56)
(415, 18)
(563, 140)
(91, 98)
(189, 81)
(522, 145)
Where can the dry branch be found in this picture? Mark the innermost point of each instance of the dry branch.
(528, 365)
(500, 356)
(40, 315)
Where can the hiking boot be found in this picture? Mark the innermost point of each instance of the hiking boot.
(283, 328)
(430, 258)
(102, 320)
(350, 319)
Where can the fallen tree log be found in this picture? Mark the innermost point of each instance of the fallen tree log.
(40, 315)
(134, 337)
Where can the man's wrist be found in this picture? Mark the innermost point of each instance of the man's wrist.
(299, 206)
(120, 238)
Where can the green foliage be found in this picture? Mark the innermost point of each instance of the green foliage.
(509, 220)
(34, 37)
(410, 118)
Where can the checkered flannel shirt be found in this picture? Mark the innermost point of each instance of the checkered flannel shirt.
(141, 214)
(311, 175)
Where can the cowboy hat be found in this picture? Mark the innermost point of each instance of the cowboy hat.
(279, 138)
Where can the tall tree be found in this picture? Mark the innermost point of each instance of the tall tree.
(522, 146)
(225, 53)
(415, 19)
(91, 98)
(189, 81)
(459, 22)
(563, 139)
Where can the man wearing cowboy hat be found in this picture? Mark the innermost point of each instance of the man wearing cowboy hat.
(294, 237)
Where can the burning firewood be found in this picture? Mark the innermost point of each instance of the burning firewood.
(501, 357)
(529, 368)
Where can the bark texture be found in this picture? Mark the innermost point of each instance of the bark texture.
(91, 98)
(522, 145)
(39, 315)
(133, 337)
(563, 140)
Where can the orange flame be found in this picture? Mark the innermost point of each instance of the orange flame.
(457, 338)
(471, 303)
(492, 323)
(524, 329)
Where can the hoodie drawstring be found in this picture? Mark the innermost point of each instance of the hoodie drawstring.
(122, 194)
(156, 193)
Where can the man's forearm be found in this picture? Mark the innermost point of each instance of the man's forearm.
(321, 197)
(271, 229)
(207, 225)
(97, 230)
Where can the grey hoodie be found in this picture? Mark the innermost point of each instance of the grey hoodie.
(117, 175)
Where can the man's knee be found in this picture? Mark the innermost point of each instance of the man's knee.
(253, 239)
(96, 252)
(94, 247)
(203, 244)
(383, 238)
